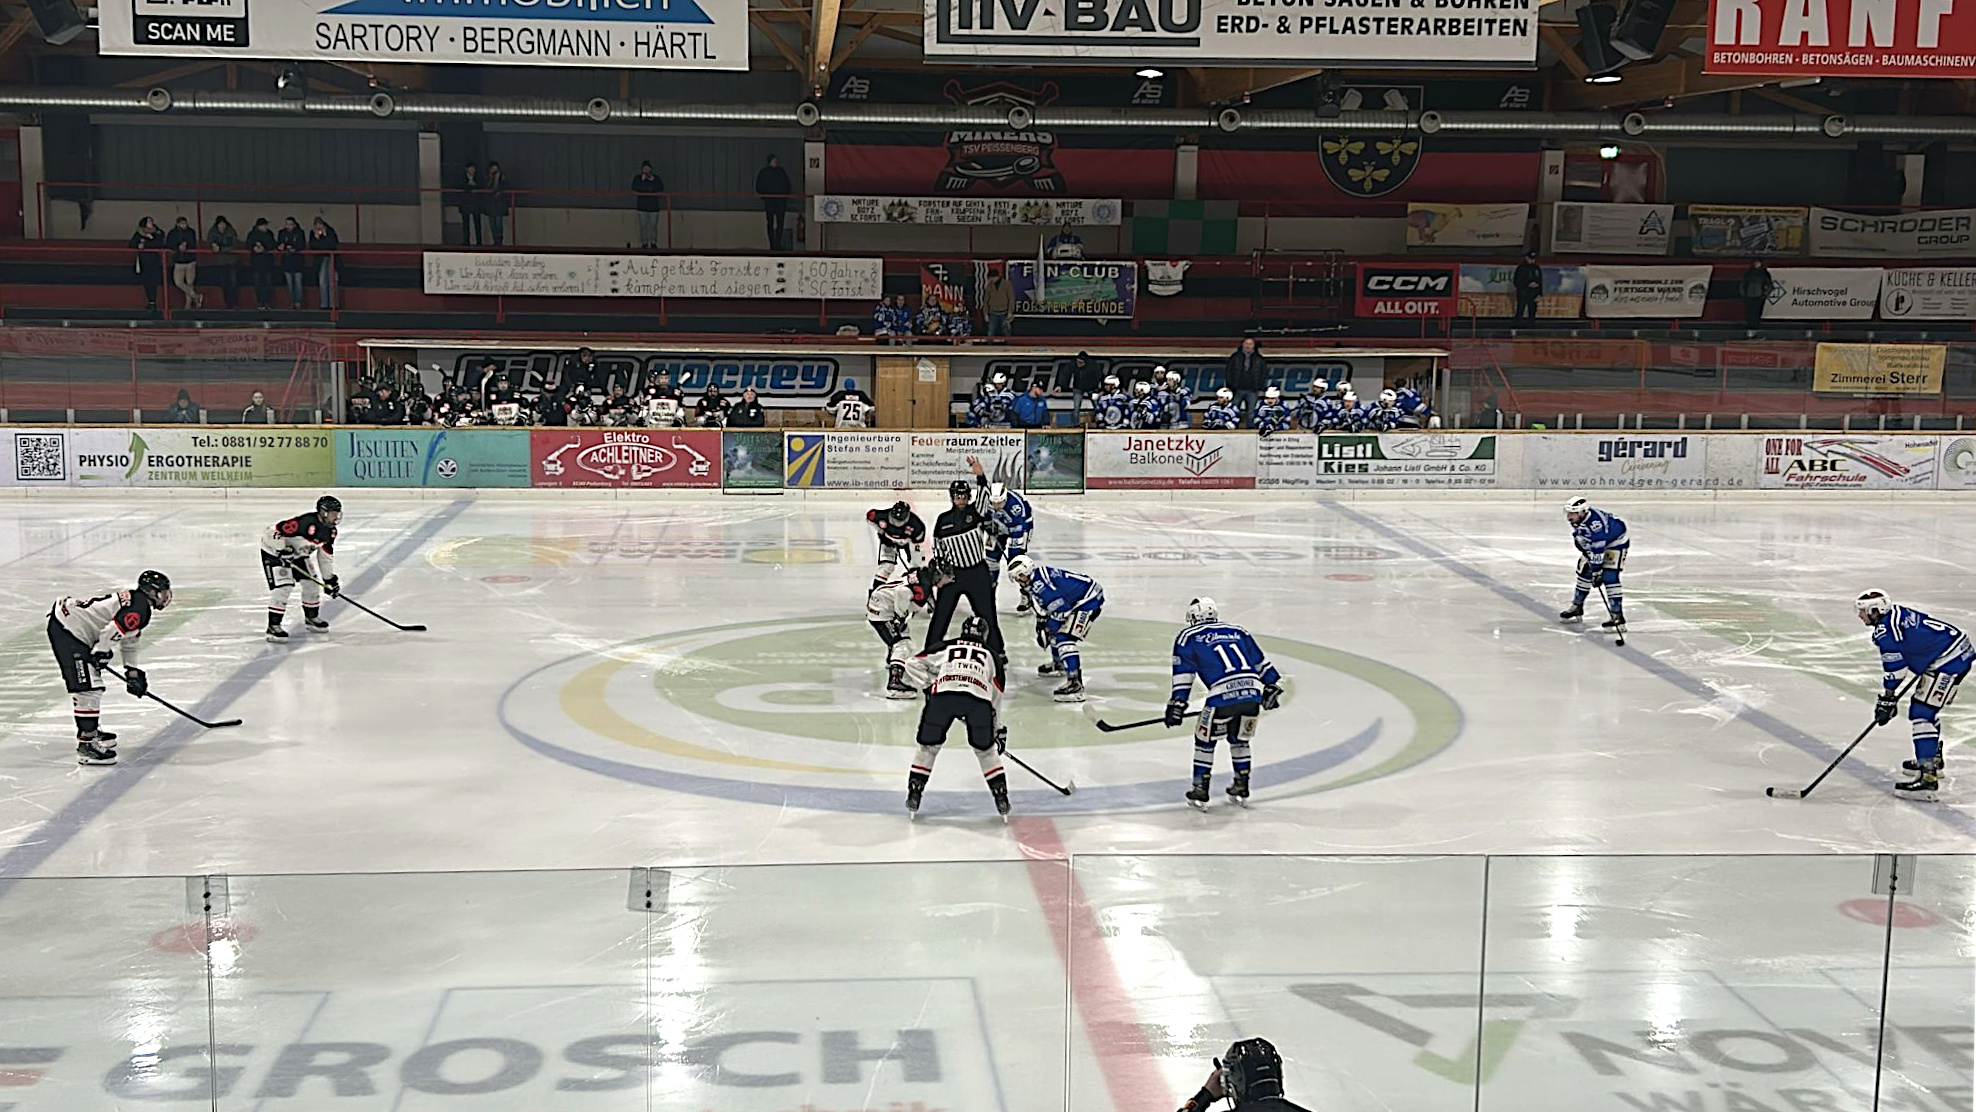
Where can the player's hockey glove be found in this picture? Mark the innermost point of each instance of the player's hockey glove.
(1272, 696)
(1042, 634)
(333, 587)
(1176, 710)
(101, 659)
(1884, 708)
(135, 683)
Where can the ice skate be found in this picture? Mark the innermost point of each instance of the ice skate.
(316, 624)
(1572, 613)
(1924, 785)
(100, 737)
(1049, 669)
(1197, 796)
(999, 788)
(277, 635)
(1239, 790)
(90, 753)
(896, 686)
(1072, 691)
(915, 787)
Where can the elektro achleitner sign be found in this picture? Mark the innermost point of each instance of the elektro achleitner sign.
(1843, 38)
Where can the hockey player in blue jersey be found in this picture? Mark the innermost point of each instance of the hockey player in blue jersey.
(1012, 517)
(1241, 683)
(1415, 413)
(1602, 544)
(1223, 413)
(1145, 408)
(1939, 655)
(1309, 414)
(1113, 408)
(1174, 399)
(991, 407)
(1385, 414)
(1272, 416)
(1066, 605)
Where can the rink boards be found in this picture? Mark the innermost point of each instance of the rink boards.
(768, 461)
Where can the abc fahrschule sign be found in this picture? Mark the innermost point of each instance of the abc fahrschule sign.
(1843, 38)
(643, 34)
(1413, 33)
(1399, 290)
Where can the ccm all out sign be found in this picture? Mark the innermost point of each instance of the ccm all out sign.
(1843, 38)
(1405, 291)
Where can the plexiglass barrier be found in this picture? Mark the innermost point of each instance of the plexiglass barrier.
(1106, 983)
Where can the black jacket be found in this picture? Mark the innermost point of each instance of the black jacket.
(1087, 379)
(472, 195)
(148, 247)
(289, 243)
(183, 243)
(257, 415)
(648, 190)
(1246, 370)
(1757, 283)
(260, 248)
(1527, 279)
(773, 185)
(747, 415)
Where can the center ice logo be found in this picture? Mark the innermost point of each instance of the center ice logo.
(790, 712)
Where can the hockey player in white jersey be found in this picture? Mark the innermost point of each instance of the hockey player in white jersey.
(963, 681)
(89, 631)
(301, 548)
(890, 607)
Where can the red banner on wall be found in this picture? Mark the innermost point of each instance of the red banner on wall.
(624, 458)
(1843, 38)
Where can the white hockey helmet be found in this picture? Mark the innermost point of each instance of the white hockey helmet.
(1224, 395)
(1272, 394)
(1142, 388)
(1022, 569)
(1319, 388)
(1172, 377)
(1111, 382)
(998, 495)
(1873, 605)
(1348, 395)
(1159, 372)
(998, 379)
(1388, 397)
(1202, 611)
(1576, 509)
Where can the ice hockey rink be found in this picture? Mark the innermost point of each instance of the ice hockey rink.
(1491, 858)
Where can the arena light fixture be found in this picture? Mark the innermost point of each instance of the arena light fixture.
(1609, 151)
(1150, 74)
(1604, 79)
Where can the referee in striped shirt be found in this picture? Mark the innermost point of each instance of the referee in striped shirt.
(961, 537)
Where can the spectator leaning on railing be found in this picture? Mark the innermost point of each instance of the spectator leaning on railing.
(149, 241)
(289, 243)
(260, 263)
(1246, 373)
(497, 202)
(182, 412)
(650, 188)
(1756, 286)
(772, 186)
(472, 192)
(258, 412)
(225, 243)
(323, 242)
(1528, 282)
(997, 302)
(183, 243)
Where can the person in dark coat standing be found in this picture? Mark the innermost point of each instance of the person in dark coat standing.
(149, 242)
(1087, 381)
(772, 186)
(472, 192)
(1246, 373)
(1757, 286)
(496, 202)
(289, 243)
(324, 244)
(260, 262)
(650, 189)
(1528, 282)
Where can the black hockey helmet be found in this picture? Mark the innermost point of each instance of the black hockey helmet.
(960, 488)
(329, 504)
(157, 586)
(1251, 1070)
(974, 629)
(899, 513)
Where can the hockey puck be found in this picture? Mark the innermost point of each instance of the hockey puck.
(1771, 792)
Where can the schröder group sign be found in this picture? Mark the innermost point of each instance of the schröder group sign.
(643, 34)
(1462, 33)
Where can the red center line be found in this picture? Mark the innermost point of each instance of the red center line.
(1111, 1022)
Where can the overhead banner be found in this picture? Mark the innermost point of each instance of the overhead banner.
(1842, 38)
(838, 208)
(1487, 291)
(1879, 368)
(1400, 290)
(522, 274)
(1937, 294)
(1747, 230)
(635, 34)
(1823, 293)
(1611, 229)
(642, 458)
(1847, 463)
(1105, 290)
(1910, 235)
(1170, 460)
(1646, 291)
(1432, 33)
(1437, 225)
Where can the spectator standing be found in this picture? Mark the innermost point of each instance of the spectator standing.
(323, 243)
(1757, 286)
(1066, 244)
(772, 186)
(1528, 282)
(260, 263)
(472, 192)
(182, 412)
(997, 302)
(258, 412)
(225, 243)
(289, 243)
(149, 241)
(497, 199)
(388, 409)
(651, 204)
(1087, 379)
(1032, 410)
(183, 243)
(748, 412)
(582, 375)
(1246, 373)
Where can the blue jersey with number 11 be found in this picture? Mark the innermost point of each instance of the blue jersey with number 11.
(1227, 660)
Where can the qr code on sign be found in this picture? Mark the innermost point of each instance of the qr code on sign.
(40, 456)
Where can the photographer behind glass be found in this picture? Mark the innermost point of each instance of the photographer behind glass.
(1250, 1073)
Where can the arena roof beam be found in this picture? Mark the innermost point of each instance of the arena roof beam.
(1219, 86)
(761, 23)
(823, 41)
(11, 36)
(1669, 79)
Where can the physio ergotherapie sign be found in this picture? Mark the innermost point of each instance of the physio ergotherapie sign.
(645, 34)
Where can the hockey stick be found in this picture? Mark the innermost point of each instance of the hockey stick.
(361, 606)
(1112, 728)
(152, 695)
(1062, 789)
(1791, 793)
(1619, 630)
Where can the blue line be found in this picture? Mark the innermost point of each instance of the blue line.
(61, 828)
(1695, 686)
